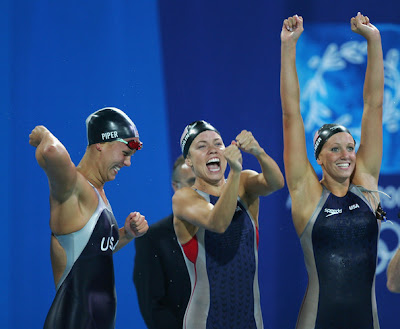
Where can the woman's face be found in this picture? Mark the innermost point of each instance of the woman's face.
(338, 156)
(116, 155)
(206, 157)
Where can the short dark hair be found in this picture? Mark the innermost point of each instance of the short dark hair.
(177, 164)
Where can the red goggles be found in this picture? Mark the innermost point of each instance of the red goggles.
(132, 144)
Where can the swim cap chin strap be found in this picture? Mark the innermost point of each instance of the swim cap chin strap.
(190, 133)
(326, 132)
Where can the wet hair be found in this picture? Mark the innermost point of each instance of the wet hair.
(190, 133)
(326, 132)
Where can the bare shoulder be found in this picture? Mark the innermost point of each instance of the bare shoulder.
(245, 176)
(248, 173)
(369, 182)
(190, 209)
(184, 193)
(73, 213)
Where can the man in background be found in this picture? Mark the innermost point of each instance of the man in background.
(160, 275)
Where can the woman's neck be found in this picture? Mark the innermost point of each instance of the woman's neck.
(337, 188)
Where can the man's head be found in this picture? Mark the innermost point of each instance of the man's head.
(190, 133)
(111, 124)
(182, 174)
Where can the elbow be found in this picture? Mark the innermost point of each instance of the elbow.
(393, 285)
(50, 151)
(45, 155)
(280, 183)
(393, 279)
(275, 186)
(219, 228)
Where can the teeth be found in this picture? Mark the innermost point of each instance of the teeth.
(344, 165)
(213, 160)
(117, 168)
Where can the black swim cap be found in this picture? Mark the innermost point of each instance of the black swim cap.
(190, 133)
(109, 124)
(326, 132)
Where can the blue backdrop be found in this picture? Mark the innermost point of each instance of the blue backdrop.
(167, 63)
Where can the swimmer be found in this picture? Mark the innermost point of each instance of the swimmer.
(84, 231)
(338, 217)
(216, 222)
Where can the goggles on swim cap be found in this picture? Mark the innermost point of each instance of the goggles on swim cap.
(326, 132)
(190, 133)
(132, 144)
(109, 124)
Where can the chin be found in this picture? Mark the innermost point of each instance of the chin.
(111, 178)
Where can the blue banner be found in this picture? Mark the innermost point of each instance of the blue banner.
(331, 62)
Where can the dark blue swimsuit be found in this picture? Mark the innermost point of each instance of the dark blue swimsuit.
(223, 271)
(85, 297)
(340, 249)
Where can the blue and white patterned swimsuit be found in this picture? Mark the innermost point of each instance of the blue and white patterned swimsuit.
(223, 273)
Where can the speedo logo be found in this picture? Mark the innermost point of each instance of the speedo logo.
(317, 142)
(108, 135)
(332, 212)
(185, 140)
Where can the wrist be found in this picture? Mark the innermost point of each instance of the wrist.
(259, 152)
(288, 44)
(128, 235)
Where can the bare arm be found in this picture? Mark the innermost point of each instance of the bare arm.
(270, 179)
(55, 161)
(303, 183)
(393, 273)
(369, 154)
(297, 165)
(190, 207)
(135, 226)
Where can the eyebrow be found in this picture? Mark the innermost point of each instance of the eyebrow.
(205, 141)
(129, 152)
(349, 143)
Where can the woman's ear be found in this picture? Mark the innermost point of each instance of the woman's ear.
(188, 162)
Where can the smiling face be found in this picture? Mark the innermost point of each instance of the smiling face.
(206, 157)
(338, 156)
(116, 155)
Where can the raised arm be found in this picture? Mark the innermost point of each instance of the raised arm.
(369, 154)
(303, 184)
(55, 161)
(297, 165)
(189, 206)
(270, 179)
